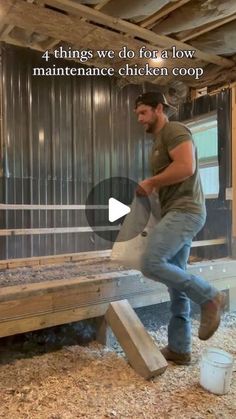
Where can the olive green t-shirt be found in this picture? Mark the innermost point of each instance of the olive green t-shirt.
(184, 196)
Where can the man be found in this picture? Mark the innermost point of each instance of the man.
(176, 178)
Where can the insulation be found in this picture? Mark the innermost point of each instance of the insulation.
(134, 10)
(222, 41)
(200, 11)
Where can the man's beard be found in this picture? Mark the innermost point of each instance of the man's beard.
(151, 127)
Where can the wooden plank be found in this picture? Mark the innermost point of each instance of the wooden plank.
(50, 44)
(137, 344)
(6, 31)
(135, 30)
(54, 259)
(54, 230)
(89, 281)
(3, 264)
(101, 4)
(207, 28)
(211, 242)
(232, 299)
(150, 21)
(32, 306)
(18, 43)
(90, 255)
(213, 271)
(15, 263)
(15, 326)
(233, 119)
(103, 331)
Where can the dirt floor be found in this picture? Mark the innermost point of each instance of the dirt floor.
(96, 382)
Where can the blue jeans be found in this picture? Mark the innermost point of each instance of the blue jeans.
(165, 261)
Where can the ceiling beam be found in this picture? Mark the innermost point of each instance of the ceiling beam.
(132, 29)
(207, 28)
(6, 30)
(100, 5)
(150, 21)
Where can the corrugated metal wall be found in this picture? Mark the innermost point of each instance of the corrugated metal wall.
(60, 136)
(218, 221)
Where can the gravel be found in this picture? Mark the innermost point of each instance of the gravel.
(68, 270)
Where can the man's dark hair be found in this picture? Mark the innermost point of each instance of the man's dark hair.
(153, 99)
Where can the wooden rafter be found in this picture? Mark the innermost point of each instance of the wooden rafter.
(150, 21)
(207, 28)
(6, 30)
(100, 5)
(135, 30)
(49, 44)
(233, 109)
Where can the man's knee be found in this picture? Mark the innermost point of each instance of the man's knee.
(150, 268)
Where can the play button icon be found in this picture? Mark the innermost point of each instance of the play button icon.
(108, 204)
(117, 210)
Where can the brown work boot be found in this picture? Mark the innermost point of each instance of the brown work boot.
(177, 358)
(210, 316)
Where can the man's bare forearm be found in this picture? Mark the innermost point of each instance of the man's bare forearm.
(175, 173)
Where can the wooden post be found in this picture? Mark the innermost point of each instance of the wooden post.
(139, 347)
(233, 91)
(103, 331)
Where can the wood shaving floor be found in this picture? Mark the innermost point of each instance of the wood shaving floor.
(96, 382)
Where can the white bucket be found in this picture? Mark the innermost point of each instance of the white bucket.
(216, 370)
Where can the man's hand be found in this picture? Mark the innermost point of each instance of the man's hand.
(145, 187)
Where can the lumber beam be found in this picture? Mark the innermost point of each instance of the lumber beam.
(208, 27)
(55, 259)
(20, 12)
(150, 21)
(233, 119)
(35, 306)
(6, 30)
(103, 331)
(139, 347)
(100, 5)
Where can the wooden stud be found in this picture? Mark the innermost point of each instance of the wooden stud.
(233, 119)
(103, 331)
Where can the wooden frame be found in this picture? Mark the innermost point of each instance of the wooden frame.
(233, 103)
(35, 306)
(150, 21)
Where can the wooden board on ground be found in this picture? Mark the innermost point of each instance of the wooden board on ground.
(141, 350)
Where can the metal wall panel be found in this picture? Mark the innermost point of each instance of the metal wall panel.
(60, 136)
(218, 221)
